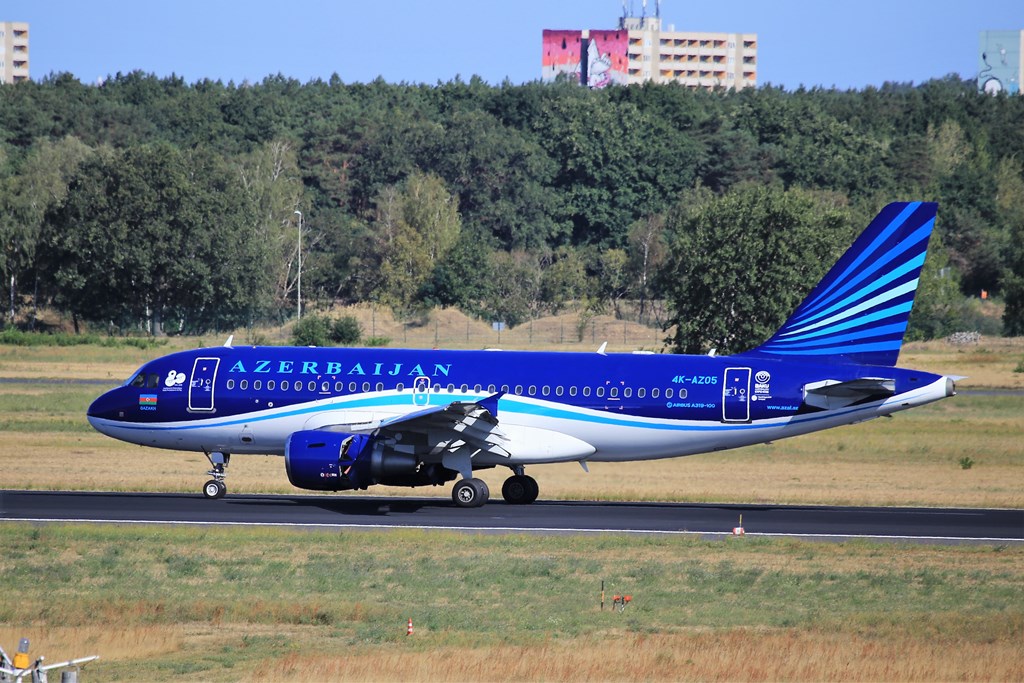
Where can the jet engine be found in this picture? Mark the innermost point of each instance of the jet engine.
(339, 461)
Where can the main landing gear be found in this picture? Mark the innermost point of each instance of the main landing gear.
(216, 488)
(519, 489)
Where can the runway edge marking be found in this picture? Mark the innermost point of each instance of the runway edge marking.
(548, 530)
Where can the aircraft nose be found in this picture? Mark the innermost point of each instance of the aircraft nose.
(106, 406)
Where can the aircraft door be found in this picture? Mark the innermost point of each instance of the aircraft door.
(421, 391)
(200, 388)
(736, 395)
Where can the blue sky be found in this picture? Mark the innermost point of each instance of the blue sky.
(811, 43)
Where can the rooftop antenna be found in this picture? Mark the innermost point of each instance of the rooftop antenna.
(644, 15)
(657, 9)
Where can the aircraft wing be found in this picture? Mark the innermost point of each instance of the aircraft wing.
(830, 394)
(437, 429)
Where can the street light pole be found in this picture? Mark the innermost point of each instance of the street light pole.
(298, 308)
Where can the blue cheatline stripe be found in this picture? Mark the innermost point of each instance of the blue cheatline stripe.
(876, 285)
(836, 341)
(561, 412)
(893, 226)
(899, 251)
(839, 328)
(885, 297)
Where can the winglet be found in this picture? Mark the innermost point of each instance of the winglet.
(490, 404)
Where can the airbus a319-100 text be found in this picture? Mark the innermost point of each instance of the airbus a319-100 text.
(350, 418)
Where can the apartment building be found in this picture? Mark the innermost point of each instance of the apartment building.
(13, 51)
(640, 50)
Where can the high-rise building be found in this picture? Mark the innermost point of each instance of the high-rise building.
(639, 50)
(13, 51)
(1000, 61)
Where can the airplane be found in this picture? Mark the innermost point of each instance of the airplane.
(351, 418)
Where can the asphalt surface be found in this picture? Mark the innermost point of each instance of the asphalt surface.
(922, 524)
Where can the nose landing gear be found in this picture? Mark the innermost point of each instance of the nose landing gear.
(216, 488)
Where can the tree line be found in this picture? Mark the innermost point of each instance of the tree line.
(152, 199)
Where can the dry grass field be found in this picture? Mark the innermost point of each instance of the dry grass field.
(230, 605)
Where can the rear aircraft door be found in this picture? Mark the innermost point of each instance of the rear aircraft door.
(200, 388)
(736, 395)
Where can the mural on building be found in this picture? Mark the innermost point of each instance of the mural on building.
(601, 56)
(999, 62)
(607, 61)
(561, 53)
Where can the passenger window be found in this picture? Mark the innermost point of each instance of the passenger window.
(152, 381)
(243, 385)
(257, 385)
(519, 390)
(682, 393)
(586, 391)
(478, 388)
(641, 392)
(464, 388)
(339, 387)
(380, 386)
(400, 387)
(655, 393)
(325, 387)
(311, 386)
(352, 387)
(138, 381)
(668, 393)
(627, 392)
(613, 392)
(451, 388)
(533, 390)
(284, 385)
(600, 392)
(504, 387)
(491, 389)
(270, 385)
(558, 391)
(366, 386)
(545, 390)
(231, 384)
(572, 390)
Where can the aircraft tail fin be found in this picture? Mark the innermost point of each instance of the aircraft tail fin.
(858, 312)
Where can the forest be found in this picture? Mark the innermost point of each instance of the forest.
(148, 203)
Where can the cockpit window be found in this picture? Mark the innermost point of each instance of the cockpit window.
(152, 381)
(138, 381)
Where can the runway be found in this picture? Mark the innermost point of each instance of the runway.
(341, 512)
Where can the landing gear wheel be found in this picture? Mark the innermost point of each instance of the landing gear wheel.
(214, 489)
(520, 489)
(470, 493)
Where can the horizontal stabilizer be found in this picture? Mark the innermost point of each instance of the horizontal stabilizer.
(830, 394)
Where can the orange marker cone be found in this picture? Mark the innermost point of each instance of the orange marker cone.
(408, 631)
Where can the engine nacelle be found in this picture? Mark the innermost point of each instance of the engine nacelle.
(339, 461)
(324, 461)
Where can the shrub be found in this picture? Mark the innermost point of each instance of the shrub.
(319, 330)
(313, 330)
(346, 331)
